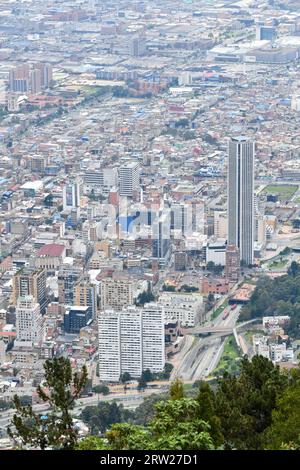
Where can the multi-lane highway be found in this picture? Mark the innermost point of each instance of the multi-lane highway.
(203, 355)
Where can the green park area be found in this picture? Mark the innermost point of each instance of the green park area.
(279, 264)
(284, 191)
(230, 358)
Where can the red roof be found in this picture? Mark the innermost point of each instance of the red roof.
(52, 249)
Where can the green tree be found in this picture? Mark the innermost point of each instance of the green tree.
(176, 390)
(207, 412)
(285, 427)
(147, 375)
(210, 266)
(99, 418)
(168, 288)
(294, 269)
(245, 403)
(91, 443)
(144, 413)
(104, 389)
(142, 384)
(175, 426)
(55, 430)
(125, 377)
(144, 298)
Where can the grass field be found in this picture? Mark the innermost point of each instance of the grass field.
(284, 191)
(229, 359)
(278, 264)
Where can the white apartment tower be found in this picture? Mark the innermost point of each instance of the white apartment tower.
(109, 346)
(129, 175)
(153, 334)
(241, 197)
(131, 340)
(28, 320)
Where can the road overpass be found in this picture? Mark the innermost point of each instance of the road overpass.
(218, 330)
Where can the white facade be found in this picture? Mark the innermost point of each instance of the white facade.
(153, 337)
(186, 308)
(216, 252)
(109, 346)
(131, 340)
(28, 320)
(260, 230)
(295, 103)
(185, 78)
(105, 178)
(129, 179)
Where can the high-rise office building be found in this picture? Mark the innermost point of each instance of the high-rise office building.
(85, 294)
(138, 46)
(161, 237)
(30, 281)
(77, 317)
(46, 74)
(131, 340)
(71, 195)
(19, 78)
(130, 179)
(28, 320)
(67, 279)
(35, 81)
(241, 197)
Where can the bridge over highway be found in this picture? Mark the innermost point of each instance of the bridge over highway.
(219, 330)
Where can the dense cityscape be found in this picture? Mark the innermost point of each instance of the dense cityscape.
(150, 223)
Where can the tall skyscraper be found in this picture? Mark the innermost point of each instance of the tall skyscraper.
(71, 195)
(241, 197)
(28, 320)
(130, 179)
(138, 46)
(19, 78)
(36, 81)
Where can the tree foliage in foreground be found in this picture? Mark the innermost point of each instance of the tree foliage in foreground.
(54, 429)
(175, 426)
